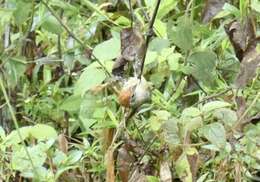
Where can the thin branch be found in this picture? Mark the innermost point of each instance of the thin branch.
(213, 96)
(246, 112)
(65, 26)
(16, 125)
(131, 12)
(149, 35)
(85, 46)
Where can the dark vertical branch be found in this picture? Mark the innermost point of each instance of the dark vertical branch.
(131, 12)
(7, 31)
(149, 35)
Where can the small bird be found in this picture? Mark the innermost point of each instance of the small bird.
(134, 93)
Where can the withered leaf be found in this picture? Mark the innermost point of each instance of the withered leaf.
(241, 36)
(248, 69)
(132, 43)
(124, 161)
(255, 119)
(193, 160)
(29, 46)
(29, 50)
(137, 176)
(110, 166)
(63, 143)
(132, 50)
(165, 172)
(119, 67)
(243, 39)
(211, 9)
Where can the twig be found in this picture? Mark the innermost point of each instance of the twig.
(246, 112)
(149, 35)
(131, 12)
(65, 26)
(213, 96)
(16, 125)
(85, 46)
(140, 159)
(120, 128)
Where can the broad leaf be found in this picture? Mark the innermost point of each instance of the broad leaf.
(52, 25)
(107, 50)
(182, 35)
(212, 7)
(72, 103)
(183, 168)
(226, 115)
(42, 131)
(214, 105)
(91, 77)
(203, 66)
(22, 11)
(216, 134)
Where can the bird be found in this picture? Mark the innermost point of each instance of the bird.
(134, 93)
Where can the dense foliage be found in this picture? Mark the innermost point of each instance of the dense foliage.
(62, 67)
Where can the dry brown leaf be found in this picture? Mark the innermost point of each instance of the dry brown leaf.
(108, 134)
(165, 172)
(138, 176)
(132, 44)
(243, 39)
(212, 8)
(124, 161)
(110, 166)
(132, 50)
(29, 50)
(248, 69)
(238, 170)
(119, 67)
(63, 143)
(193, 160)
(241, 105)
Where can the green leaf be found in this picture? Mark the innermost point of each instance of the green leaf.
(158, 44)
(155, 123)
(214, 105)
(21, 162)
(190, 112)
(68, 8)
(107, 50)
(182, 35)
(182, 168)
(59, 158)
(173, 61)
(14, 138)
(152, 179)
(22, 11)
(72, 103)
(216, 134)
(74, 156)
(227, 116)
(52, 25)
(91, 110)
(203, 66)
(165, 7)
(255, 5)
(47, 75)
(2, 133)
(42, 131)
(162, 114)
(16, 67)
(171, 132)
(91, 77)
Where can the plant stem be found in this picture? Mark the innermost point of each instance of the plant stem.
(85, 46)
(16, 124)
(149, 35)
